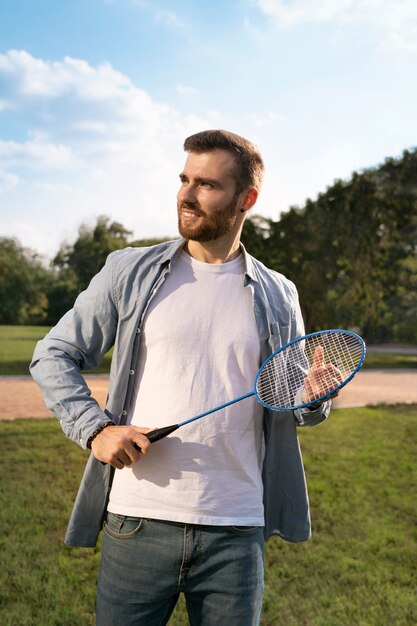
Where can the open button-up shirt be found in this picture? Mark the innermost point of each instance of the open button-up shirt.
(110, 312)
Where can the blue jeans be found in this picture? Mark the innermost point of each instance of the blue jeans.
(146, 564)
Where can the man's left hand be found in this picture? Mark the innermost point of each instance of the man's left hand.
(321, 378)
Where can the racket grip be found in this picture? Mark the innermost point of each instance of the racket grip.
(160, 433)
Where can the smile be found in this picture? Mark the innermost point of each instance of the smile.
(189, 215)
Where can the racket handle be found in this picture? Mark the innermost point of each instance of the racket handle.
(160, 433)
(156, 435)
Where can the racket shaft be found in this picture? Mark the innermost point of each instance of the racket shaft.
(160, 433)
(217, 408)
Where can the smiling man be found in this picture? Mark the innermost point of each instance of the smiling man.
(190, 320)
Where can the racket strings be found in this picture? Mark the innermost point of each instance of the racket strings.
(282, 378)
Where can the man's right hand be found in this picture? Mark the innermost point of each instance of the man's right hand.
(120, 446)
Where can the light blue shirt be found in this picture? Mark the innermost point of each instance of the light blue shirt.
(110, 312)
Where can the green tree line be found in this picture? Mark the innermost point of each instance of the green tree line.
(32, 292)
(351, 253)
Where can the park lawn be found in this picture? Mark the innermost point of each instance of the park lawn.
(17, 344)
(359, 568)
(381, 361)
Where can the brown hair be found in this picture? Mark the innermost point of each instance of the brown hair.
(250, 166)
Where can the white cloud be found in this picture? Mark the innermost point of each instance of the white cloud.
(25, 77)
(96, 144)
(394, 22)
(7, 181)
(37, 153)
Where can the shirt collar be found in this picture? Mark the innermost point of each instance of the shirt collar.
(175, 247)
(249, 264)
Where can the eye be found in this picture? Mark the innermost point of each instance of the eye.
(206, 185)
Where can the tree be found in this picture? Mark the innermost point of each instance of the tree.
(23, 280)
(76, 264)
(352, 252)
(82, 260)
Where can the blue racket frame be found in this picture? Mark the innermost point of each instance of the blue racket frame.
(324, 396)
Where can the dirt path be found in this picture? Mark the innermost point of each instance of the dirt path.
(379, 386)
(20, 397)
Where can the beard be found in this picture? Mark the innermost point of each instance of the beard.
(210, 227)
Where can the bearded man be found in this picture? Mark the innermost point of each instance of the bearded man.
(190, 320)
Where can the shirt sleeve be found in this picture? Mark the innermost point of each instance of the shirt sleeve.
(78, 342)
(306, 417)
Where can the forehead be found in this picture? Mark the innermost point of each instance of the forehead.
(218, 164)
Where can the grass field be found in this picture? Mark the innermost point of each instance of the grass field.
(359, 569)
(18, 342)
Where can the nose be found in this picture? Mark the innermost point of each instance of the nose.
(186, 193)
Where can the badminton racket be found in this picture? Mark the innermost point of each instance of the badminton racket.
(303, 373)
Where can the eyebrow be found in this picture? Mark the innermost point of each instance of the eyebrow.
(202, 179)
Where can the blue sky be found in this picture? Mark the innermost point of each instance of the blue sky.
(97, 96)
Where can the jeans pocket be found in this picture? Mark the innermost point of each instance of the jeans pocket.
(244, 531)
(123, 526)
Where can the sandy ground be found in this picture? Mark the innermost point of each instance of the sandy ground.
(21, 398)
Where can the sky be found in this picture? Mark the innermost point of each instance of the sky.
(97, 97)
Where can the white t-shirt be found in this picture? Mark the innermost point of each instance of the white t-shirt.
(200, 348)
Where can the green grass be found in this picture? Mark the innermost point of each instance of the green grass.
(17, 344)
(360, 567)
(16, 347)
(390, 361)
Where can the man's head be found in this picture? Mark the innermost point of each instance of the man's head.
(249, 163)
(219, 185)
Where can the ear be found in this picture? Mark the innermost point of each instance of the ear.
(249, 199)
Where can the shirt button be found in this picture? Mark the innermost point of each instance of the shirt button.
(132, 372)
(138, 331)
(124, 412)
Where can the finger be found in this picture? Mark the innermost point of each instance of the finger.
(123, 456)
(115, 462)
(334, 373)
(310, 393)
(306, 393)
(333, 369)
(318, 358)
(141, 442)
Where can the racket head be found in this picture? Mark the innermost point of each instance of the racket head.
(281, 376)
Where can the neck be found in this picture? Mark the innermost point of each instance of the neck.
(217, 251)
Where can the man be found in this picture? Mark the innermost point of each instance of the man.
(191, 321)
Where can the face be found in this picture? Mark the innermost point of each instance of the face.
(207, 202)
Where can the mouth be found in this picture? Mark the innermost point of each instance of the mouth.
(188, 215)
